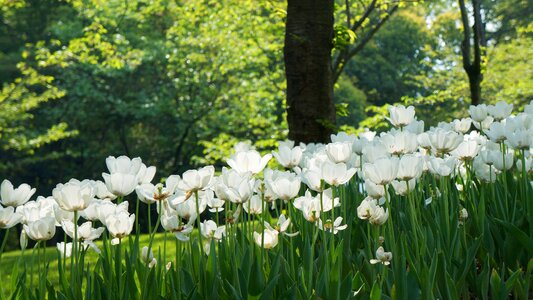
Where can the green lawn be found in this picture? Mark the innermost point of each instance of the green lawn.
(29, 262)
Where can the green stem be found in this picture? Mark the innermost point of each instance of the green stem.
(200, 239)
(119, 267)
(311, 261)
(262, 224)
(291, 255)
(198, 218)
(149, 217)
(4, 242)
(152, 234)
(74, 255)
(137, 229)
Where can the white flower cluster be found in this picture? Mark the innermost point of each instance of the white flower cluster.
(397, 158)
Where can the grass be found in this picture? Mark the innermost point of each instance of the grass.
(26, 260)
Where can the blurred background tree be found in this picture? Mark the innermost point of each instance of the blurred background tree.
(178, 83)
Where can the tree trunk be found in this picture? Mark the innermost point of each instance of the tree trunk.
(307, 51)
(471, 65)
(474, 79)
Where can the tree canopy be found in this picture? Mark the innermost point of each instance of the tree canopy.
(179, 83)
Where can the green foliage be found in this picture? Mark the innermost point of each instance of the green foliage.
(386, 68)
(170, 80)
(18, 101)
(351, 102)
(435, 254)
(508, 76)
(159, 80)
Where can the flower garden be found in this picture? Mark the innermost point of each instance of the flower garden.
(442, 213)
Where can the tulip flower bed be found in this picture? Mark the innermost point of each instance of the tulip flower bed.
(445, 213)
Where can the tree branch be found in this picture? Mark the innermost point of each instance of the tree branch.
(365, 16)
(348, 16)
(340, 61)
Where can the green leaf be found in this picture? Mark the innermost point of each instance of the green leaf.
(518, 234)
(375, 293)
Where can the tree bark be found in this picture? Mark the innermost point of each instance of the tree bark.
(307, 54)
(472, 66)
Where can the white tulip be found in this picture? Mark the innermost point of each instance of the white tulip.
(123, 165)
(196, 180)
(528, 164)
(284, 185)
(288, 155)
(65, 249)
(41, 230)
(444, 141)
(496, 132)
(309, 206)
(382, 171)
(485, 124)
(215, 204)
(312, 178)
(254, 206)
(145, 174)
(339, 152)
(35, 210)
(269, 238)
(61, 215)
(521, 139)
(478, 113)
(234, 187)
(374, 151)
(210, 230)
(148, 257)
(333, 227)
(248, 161)
(358, 145)
(400, 187)
(416, 127)
(343, 137)
(379, 216)
(15, 197)
(442, 167)
(367, 134)
(401, 116)
(170, 222)
(187, 209)
(467, 150)
(120, 225)
(90, 213)
(399, 142)
(484, 171)
(149, 193)
(101, 191)
(23, 239)
(336, 174)
(74, 195)
(423, 140)
(366, 208)
(500, 110)
(410, 166)
(8, 217)
(120, 184)
(382, 257)
(373, 190)
(86, 233)
(107, 208)
(463, 125)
